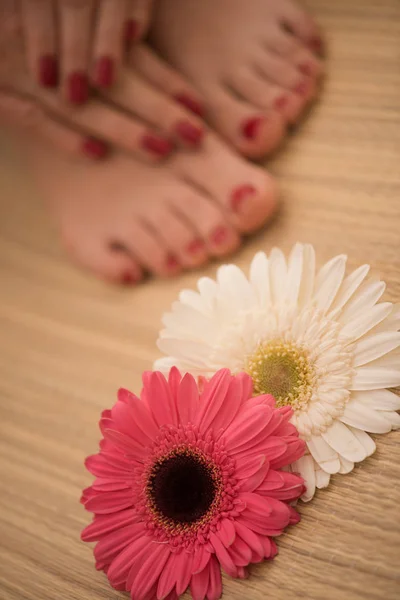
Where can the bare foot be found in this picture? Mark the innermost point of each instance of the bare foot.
(254, 62)
(122, 218)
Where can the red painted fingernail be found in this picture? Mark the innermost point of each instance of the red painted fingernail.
(48, 70)
(78, 87)
(128, 278)
(156, 145)
(131, 30)
(104, 72)
(251, 127)
(195, 247)
(316, 43)
(219, 235)
(189, 133)
(171, 262)
(191, 103)
(94, 148)
(301, 88)
(240, 195)
(281, 102)
(305, 68)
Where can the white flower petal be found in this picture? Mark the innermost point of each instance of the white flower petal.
(164, 364)
(188, 350)
(345, 466)
(388, 361)
(366, 320)
(277, 275)
(208, 289)
(366, 296)
(365, 439)
(236, 293)
(393, 418)
(344, 442)
(195, 300)
(391, 323)
(374, 346)
(362, 417)
(348, 287)
(379, 399)
(371, 378)
(324, 454)
(305, 466)
(294, 274)
(328, 282)
(307, 282)
(184, 318)
(321, 479)
(259, 278)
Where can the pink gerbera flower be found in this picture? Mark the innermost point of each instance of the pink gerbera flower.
(188, 482)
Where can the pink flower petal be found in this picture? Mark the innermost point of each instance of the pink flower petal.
(140, 413)
(187, 399)
(105, 485)
(290, 488)
(214, 591)
(159, 400)
(201, 559)
(252, 482)
(240, 552)
(167, 580)
(226, 532)
(110, 502)
(295, 450)
(223, 555)
(125, 422)
(132, 448)
(100, 466)
(174, 379)
(147, 575)
(243, 432)
(112, 544)
(184, 565)
(122, 564)
(256, 504)
(199, 584)
(247, 535)
(104, 524)
(213, 399)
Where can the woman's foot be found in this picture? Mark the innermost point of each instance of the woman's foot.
(255, 63)
(121, 218)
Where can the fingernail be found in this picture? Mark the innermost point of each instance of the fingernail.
(78, 87)
(156, 145)
(48, 70)
(131, 30)
(240, 196)
(94, 148)
(195, 247)
(104, 72)
(219, 235)
(305, 68)
(171, 263)
(128, 278)
(301, 88)
(191, 103)
(189, 133)
(281, 102)
(251, 127)
(316, 43)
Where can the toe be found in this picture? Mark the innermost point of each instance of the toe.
(253, 132)
(300, 24)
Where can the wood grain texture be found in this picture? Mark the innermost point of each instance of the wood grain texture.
(67, 342)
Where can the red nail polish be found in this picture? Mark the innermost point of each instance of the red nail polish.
(305, 68)
(281, 102)
(48, 70)
(191, 103)
(240, 195)
(156, 145)
(195, 247)
(301, 88)
(128, 278)
(171, 262)
(316, 44)
(94, 148)
(219, 235)
(104, 72)
(78, 87)
(189, 133)
(131, 30)
(251, 127)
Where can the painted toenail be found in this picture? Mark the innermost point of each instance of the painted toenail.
(241, 195)
(94, 148)
(48, 70)
(301, 88)
(129, 278)
(316, 44)
(156, 145)
(195, 247)
(131, 30)
(171, 262)
(104, 72)
(305, 68)
(219, 235)
(251, 127)
(281, 102)
(191, 103)
(189, 133)
(78, 87)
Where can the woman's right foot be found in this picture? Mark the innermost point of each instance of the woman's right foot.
(121, 218)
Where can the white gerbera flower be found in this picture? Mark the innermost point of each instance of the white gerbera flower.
(320, 342)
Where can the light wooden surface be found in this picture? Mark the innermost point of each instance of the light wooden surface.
(67, 342)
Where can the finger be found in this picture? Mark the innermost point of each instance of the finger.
(30, 117)
(38, 22)
(145, 101)
(165, 78)
(107, 123)
(108, 41)
(137, 20)
(75, 23)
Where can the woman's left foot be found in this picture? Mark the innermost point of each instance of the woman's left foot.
(255, 63)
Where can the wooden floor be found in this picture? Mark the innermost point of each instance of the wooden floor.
(68, 341)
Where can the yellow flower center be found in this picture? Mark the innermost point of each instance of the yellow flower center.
(283, 370)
